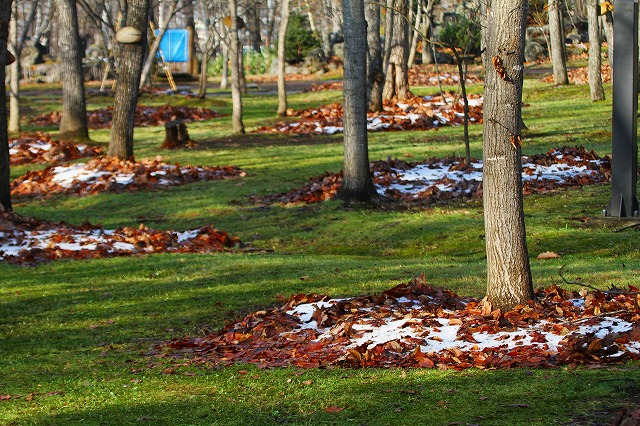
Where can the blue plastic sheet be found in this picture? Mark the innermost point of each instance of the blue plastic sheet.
(174, 45)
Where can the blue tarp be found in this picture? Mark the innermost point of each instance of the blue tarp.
(175, 45)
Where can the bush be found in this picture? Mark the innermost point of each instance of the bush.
(461, 33)
(300, 39)
(255, 63)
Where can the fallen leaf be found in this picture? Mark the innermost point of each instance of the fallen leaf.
(548, 255)
(334, 409)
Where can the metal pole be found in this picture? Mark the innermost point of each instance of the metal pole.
(624, 149)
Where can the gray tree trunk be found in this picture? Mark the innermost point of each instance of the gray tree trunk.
(282, 87)
(129, 71)
(73, 125)
(14, 84)
(508, 271)
(414, 39)
(357, 182)
(595, 59)
(253, 22)
(234, 54)
(375, 72)
(556, 47)
(5, 175)
(607, 26)
(224, 80)
(397, 77)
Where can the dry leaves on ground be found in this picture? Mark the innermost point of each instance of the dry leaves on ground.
(581, 75)
(38, 147)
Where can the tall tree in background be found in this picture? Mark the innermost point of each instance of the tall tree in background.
(5, 175)
(14, 84)
(73, 124)
(375, 72)
(129, 71)
(397, 76)
(357, 181)
(557, 48)
(508, 271)
(282, 34)
(595, 59)
(234, 54)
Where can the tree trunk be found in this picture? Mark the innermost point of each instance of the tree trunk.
(282, 88)
(5, 175)
(153, 50)
(414, 39)
(595, 71)
(357, 181)
(234, 54)
(508, 271)
(73, 125)
(14, 84)
(427, 51)
(126, 97)
(202, 78)
(397, 77)
(253, 23)
(375, 72)
(224, 80)
(556, 47)
(607, 26)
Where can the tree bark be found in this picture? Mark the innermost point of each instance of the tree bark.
(234, 54)
(397, 77)
(508, 271)
(375, 72)
(282, 33)
(224, 80)
(557, 48)
(126, 97)
(595, 59)
(607, 26)
(73, 125)
(357, 181)
(415, 35)
(5, 175)
(14, 84)
(253, 22)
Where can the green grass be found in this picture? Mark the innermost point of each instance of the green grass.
(78, 337)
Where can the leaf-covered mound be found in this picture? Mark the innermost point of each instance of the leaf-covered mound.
(442, 179)
(29, 241)
(416, 113)
(110, 174)
(145, 116)
(40, 148)
(416, 325)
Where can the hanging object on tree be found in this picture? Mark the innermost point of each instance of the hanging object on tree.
(227, 22)
(10, 58)
(128, 35)
(606, 7)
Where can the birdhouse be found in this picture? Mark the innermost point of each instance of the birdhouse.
(128, 35)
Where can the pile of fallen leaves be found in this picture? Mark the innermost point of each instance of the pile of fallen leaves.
(414, 113)
(581, 75)
(423, 75)
(40, 148)
(416, 325)
(145, 116)
(110, 174)
(390, 178)
(29, 241)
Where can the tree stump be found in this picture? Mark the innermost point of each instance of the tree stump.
(176, 134)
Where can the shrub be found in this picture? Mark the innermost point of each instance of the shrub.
(300, 39)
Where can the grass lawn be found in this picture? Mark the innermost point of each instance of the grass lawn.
(77, 338)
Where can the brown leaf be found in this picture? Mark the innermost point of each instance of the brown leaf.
(548, 255)
(334, 409)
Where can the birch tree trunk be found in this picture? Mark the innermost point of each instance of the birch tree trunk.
(73, 125)
(14, 71)
(282, 33)
(357, 181)
(234, 54)
(126, 97)
(508, 271)
(375, 72)
(5, 175)
(414, 40)
(556, 48)
(595, 59)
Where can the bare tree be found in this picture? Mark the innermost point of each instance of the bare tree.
(556, 46)
(508, 271)
(234, 54)
(375, 71)
(126, 97)
(595, 59)
(357, 182)
(282, 89)
(5, 175)
(397, 77)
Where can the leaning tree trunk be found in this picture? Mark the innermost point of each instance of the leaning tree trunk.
(375, 72)
(557, 48)
(397, 76)
(414, 38)
(5, 175)
(508, 271)
(73, 125)
(595, 59)
(357, 181)
(14, 84)
(234, 54)
(282, 34)
(126, 97)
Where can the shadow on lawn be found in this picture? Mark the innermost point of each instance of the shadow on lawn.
(256, 140)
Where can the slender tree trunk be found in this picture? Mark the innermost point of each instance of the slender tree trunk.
(375, 72)
(414, 39)
(224, 81)
(508, 271)
(234, 54)
(14, 84)
(397, 77)
(607, 26)
(427, 52)
(253, 22)
(153, 50)
(557, 48)
(202, 78)
(282, 88)
(73, 125)
(357, 182)
(126, 97)
(595, 59)
(5, 175)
